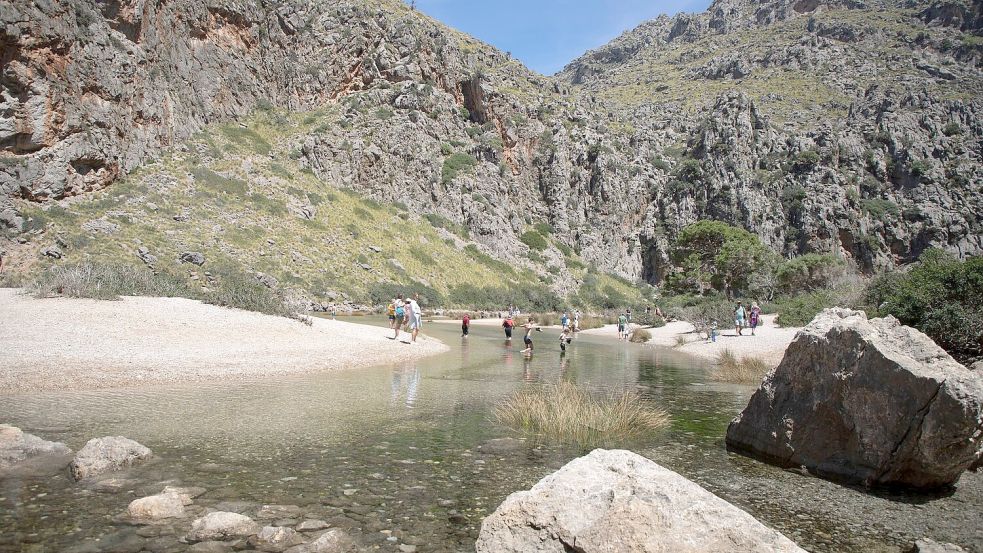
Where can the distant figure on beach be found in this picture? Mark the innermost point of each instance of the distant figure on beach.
(755, 316)
(465, 325)
(628, 314)
(391, 312)
(564, 321)
(623, 327)
(399, 314)
(529, 326)
(565, 338)
(414, 316)
(507, 324)
(739, 316)
(576, 321)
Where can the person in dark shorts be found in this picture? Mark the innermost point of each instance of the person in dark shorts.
(465, 325)
(507, 324)
(527, 339)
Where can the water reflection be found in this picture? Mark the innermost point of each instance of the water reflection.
(405, 382)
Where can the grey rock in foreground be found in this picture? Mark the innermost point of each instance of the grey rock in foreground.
(17, 447)
(615, 500)
(111, 453)
(866, 401)
(156, 507)
(274, 539)
(220, 526)
(332, 541)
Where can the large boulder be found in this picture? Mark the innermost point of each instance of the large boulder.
(612, 500)
(222, 525)
(865, 401)
(18, 447)
(101, 455)
(153, 508)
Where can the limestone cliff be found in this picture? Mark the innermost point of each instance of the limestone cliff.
(820, 125)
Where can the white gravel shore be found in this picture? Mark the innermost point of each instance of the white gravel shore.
(62, 343)
(768, 344)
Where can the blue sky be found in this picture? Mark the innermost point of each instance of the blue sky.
(548, 34)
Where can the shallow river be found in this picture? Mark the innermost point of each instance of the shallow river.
(411, 455)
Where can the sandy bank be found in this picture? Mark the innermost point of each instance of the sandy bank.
(62, 343)
(768, 343)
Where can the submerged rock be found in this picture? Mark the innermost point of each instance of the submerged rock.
(620, 501)
(926, 545)
(332, 541)
(111, 453)
(312, 525)
(17, 447)
(275, 539)
(866, 401)
(221, 525)
(156, 507)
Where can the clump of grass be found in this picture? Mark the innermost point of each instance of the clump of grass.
(106, 282)
(681, 340)
(110, 281)
(640, 336)
(744, 370)
(566, 413)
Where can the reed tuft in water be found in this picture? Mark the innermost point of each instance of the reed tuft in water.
(563, 412)
(744, 370)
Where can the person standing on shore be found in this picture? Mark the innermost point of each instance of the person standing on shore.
(391, 312)
(755, 316)
(465, 325)
(507, 324)
(399, 314)
(415, 316)
(628, 314)
(564, 321)
(623, 327)
(576, 321)
(739, 316)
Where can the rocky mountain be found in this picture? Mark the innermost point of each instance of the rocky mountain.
(848, 127)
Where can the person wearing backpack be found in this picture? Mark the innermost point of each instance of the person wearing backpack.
(399, 312)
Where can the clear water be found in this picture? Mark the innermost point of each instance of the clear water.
(411, 454)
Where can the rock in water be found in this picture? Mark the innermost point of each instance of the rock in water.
(926, 545)
(100, 455)
(167, 504)
(275, 539)
(866, 401)
(614, 500)
(17, 446)
(222, 525)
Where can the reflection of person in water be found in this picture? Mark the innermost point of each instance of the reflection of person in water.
(410, 376)
(508, 353)
(527, 370)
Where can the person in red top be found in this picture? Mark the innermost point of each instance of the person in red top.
(507, 324)
(465, 323)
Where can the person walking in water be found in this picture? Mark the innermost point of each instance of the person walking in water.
(527, 339)
(465, 325)
(399, 314)
(755, 316)
(739, 316)
(565, 338)
(507, 324)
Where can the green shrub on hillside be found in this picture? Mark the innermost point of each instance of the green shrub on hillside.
(808, 272)
(941, 296)
(714, 255)
(879, 207)
(454, 164)
(534, 240)
(545, 229)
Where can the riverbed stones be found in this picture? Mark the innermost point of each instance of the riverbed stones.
(275, 539)
(17, 447)
(278, 511)
(221, 526)
(866, 401)
(615, 500)
(312, 525)
(331, 541)
(107, 454)
(926, 545)
(167, 504)
(210, 547)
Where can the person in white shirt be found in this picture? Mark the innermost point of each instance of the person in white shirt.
(414, 316)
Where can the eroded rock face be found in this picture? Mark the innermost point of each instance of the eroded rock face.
(620, 501)
(220, 526)
(866, 401)
(17, 446)
(111, 453)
